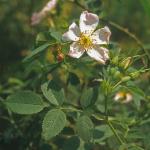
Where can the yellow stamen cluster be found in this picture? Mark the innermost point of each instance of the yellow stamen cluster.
(85, 42)
(122, 96)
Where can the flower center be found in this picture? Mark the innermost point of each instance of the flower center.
(85, 41)
(123, 96)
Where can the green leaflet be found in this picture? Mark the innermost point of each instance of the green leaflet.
(101, 133)
(72, 142)
(54, 121)
(53, 93)
(86, 97)
(37, 51)
(146, 6)
(25, 102)
(55, 34)
(47, 92)
(85, 128)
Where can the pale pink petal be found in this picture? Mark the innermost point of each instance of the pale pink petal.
(37, 18)
(76, 51)
(101, 36)
(72, 34)
(49, 6)
(88, 22)
(99, 53)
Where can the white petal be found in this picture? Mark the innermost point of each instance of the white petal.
(99, 53)
(101, 36)
(72, 34)
(128, 98)
(49, 6)
(118, 96)
(88, 22)
(75, 50)
(37, 18)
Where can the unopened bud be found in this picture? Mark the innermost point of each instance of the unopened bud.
(125, 79)
(113, 71)
(117, 74)
(60, 57)
(106, 87)
(134, 74)
(115, 60)
(126, 62)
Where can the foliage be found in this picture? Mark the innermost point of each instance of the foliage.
(53, 101)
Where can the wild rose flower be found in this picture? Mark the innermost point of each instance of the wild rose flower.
(86, 39)
(123, 97)
(38, 16)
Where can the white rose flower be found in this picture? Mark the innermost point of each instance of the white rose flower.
(123, 97)
(86, 39)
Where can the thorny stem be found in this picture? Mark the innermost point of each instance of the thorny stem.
(117, 26)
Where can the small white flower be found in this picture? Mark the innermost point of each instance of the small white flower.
(123, 97)
(38, 16)
(86, 39)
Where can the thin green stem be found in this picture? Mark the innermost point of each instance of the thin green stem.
(5, 118)
(126, 31)
(117, 84)
(98, 117)
(115, 132)
(14, 123)
(138, 56)
(80, 5)
(106, 107)
(148, 69)
(71, 109)
(109, 123)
